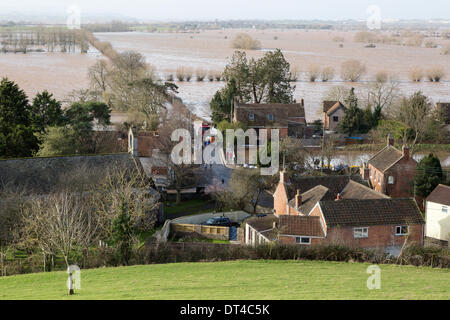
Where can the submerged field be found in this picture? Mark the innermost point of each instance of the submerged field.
(61, 73)
(289, 280)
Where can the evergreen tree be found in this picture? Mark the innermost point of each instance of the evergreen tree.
(46, 112)
(428, 175)
(122, 233)
(353, 121)
(16, 133)
(221, 102)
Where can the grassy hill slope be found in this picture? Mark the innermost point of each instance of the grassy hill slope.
(235, 280)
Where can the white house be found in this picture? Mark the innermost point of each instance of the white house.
(438, 213)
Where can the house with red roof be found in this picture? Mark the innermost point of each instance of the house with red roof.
(391, 171)
(336, 210)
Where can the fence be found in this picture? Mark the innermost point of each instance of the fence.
(210, 232)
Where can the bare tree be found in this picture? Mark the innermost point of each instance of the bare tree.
(183, 175)
(327, 74)
(313, 72)
(414, 113)
(59, 223)
(98, 75)
(352, 70)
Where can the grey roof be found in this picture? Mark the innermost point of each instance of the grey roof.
(262, 223)
(370, 212)
(441, 195)
(385, 158)
(310, 199)
(334, 184)
(301, 226)
(355, 190)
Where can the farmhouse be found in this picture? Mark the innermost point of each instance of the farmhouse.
(333, 113)
(437, 210)
(288, 118)
(391, 171)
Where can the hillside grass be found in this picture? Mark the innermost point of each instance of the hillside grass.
(261, 279)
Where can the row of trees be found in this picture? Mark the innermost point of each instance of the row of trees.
(70, 224)
(49, 39)
(264, 80)
(42, 127)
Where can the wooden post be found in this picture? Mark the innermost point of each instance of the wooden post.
(70, 284)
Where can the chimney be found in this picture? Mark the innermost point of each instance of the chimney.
(284, 177)
(338, 197)
(365, 172)
(405, 150)
(302, 102)
(390, 140)
(298, 199)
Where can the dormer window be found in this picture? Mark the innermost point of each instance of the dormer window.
(251, 116)
(270, 117)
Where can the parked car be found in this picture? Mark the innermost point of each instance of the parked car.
(220, 222)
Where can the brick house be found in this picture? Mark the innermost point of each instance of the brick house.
(287, 199)
(437, 210)
(338, 210)
(333, 113)
(146, 147)
(288, 118)
(391, 171)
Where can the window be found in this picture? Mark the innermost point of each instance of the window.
(391, 180)
(360, 233)
(401, 230)
(270, 117)
(251, 116)
(444, 209)
(302, 240)
(335, 119)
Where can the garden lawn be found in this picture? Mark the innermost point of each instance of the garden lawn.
(235, 280)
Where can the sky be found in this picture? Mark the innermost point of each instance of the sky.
(151, 10)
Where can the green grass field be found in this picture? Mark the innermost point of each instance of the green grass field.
(236, 280)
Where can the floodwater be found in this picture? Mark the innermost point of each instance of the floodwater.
(210, 50)
(357, 158)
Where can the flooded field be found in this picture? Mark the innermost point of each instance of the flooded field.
(60, 73)
(357, 158)
(210, 50)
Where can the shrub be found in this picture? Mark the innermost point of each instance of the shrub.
(313, 72)
(445, 50)
(416, 74)
(188, 74)
(218, 75)
(381, 76)
(430, 44)
(170, 77)
(352, 70)
(327, 74)
(246, 42)
(201, 74)
(414, 41)
(435, 74)
(181, 74)
(338, 39)
(365, 36)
